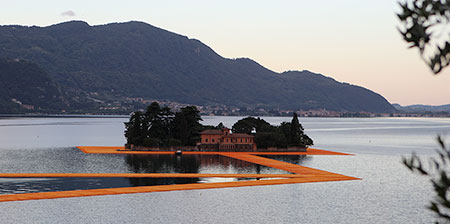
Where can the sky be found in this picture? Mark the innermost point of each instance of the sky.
(351, 41)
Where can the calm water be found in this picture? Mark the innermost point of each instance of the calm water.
(71, 160)
(388, 193)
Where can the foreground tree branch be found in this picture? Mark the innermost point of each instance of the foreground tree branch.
(438, 171)
(419, 19)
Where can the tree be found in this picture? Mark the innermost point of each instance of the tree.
(159, 126)
(151, 128)
(287, 134)
(421, 20)
(245, 125)
(250, 124)
(295, 133)
(271, 139)
(157, 121)
(438, 173)
(186, 126)
(220, 126)
(193, 118)
(181, 128)
(134, 132)
(296, 130)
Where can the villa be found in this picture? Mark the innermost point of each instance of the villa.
(224, 140)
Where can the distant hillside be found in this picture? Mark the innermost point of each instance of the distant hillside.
(25, 87)
(420, 108)
(135, 59)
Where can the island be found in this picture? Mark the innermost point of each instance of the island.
(160, 129)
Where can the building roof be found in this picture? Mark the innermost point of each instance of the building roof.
(220, 132)
(240, 135)
(212, 132)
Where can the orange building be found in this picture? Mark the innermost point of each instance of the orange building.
(223, 140)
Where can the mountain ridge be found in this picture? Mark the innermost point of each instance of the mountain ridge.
(136, 59)
(421, 108)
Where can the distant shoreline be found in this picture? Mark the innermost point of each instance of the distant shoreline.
(64, 115)
(127, 116)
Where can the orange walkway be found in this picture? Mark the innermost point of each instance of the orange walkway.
(159, 188)
(301, 175)
(145, 175)
(121, 150)
(281, 165)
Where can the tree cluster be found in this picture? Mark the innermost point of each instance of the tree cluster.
(288, 134)
(421, 20)
(159, 126)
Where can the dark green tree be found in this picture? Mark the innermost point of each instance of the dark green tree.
(295, 134)
(249, 124)
(151, 128)
(186, 126)
(423, 21)
(294, 138)
(157, 120)
(220, 126)
(271, 139)
(180, 128)
(285, 128)
(287, 134)
(438, 171)
(134, 130)
(244, 126)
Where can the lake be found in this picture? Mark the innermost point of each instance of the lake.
(387, 193)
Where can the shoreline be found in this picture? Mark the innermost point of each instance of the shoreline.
(127, 116)
(64, 115)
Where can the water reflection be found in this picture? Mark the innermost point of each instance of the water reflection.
(69, 160)
(294, 159)
(194, 164)
(163, 163)
(33, 185)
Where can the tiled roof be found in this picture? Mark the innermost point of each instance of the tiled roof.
(211, 132)
(220, 132)
(240, 135)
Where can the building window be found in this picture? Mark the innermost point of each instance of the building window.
(212, 140)
(206, 140)
(246, 140)
(241, 139)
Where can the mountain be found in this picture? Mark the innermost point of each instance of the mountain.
(420, 108)
(109, 62)
(25, 87)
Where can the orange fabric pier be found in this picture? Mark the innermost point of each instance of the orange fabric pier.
(122, 150)
(300, 174)
(145, 175)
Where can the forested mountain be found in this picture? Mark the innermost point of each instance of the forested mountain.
(135, 59)
(420, 108)
(25, 87)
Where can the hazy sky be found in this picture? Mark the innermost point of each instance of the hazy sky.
(352, 41)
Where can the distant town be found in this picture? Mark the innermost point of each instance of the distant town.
(132, 104)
